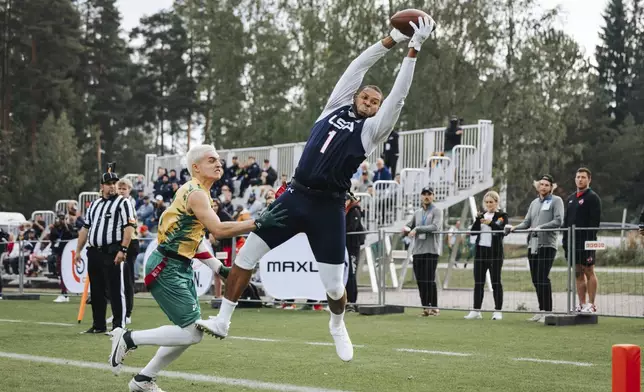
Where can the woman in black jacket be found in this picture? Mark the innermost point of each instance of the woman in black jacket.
(489, 254)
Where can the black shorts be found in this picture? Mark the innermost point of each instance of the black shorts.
(321, 218)
(585, 258)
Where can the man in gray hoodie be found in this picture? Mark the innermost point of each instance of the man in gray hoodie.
(423, 226)
(545, 212)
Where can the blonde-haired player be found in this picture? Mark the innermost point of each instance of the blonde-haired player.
(168, 272)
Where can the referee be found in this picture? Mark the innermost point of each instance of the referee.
(109, 224)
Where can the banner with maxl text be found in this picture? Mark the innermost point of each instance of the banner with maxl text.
(290, 271)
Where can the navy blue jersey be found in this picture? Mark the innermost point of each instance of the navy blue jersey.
(333, 152)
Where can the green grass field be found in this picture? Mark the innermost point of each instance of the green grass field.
(491, 365)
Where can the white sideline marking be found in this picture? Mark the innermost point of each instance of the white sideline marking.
(180, 375)
(554, 361)
(37, 322)
(254, 339)
(413, 350)
(330, 344)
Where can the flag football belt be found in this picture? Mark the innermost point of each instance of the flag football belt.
(317, 192)
(154, 274)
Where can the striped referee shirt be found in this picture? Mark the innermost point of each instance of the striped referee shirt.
(106, 219)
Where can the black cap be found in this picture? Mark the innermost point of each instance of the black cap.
(427, 189)
(548, 178)
(109, 175)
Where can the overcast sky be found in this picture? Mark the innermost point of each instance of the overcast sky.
(580, 18)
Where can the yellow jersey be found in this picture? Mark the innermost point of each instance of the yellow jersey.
(179, 230)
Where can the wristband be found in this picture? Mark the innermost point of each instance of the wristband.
(123, 249)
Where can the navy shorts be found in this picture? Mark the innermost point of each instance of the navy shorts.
(320, 217)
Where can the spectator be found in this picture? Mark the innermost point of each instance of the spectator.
(254, 206)
(60, 234)
(172, 176)
(423, 226)
(158, 184)
(642, 222)
(184, 176)
(545, 212)
(453, 135)
(234, 171)
(381, 173)
(226, 198)
(390, 152)
(251, 175)
(145, 210)
(139, 185)
(584, 209)
(159, 208)
(40, 255)
(166, 189)
(489, 254)
(353, 217)
(271, 174)
(138, 202)
(363, 182)
(38, 225)
(175, 188)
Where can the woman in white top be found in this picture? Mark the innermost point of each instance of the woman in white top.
(488, 254)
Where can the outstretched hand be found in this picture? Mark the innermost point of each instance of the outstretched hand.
(421, 31)
(272, 217)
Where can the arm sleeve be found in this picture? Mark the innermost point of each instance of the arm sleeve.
(558, 212)
(352, 78)
(412, 223)
(377, 128)
(435, 225)
(527, 221)
(127, 214)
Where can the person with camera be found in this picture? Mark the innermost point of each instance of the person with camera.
(489, 227)
(642, 222)
(108, 229)
(428, 246)
(545, 212)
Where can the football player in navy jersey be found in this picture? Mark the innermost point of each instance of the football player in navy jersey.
(353, 123)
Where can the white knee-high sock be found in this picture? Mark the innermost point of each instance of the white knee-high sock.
(161, 360)
(168, 335)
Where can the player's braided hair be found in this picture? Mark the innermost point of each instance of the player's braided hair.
(371, 86)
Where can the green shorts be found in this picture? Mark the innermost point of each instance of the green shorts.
(174, 290)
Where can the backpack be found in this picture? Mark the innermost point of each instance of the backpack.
(250, 293)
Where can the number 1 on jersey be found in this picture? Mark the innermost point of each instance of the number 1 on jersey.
(328, 141)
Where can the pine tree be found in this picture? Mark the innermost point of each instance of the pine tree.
(613, 61)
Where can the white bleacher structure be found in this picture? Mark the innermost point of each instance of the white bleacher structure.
(466, 173)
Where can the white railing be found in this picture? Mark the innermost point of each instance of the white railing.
(412, 181)
(366, 203)
(85, 199)
(440, 177)
(48, 216)
(386, 201)
(415, 147)
(465, 166)
(61, 206)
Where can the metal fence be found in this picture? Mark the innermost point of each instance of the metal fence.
(525, 280)
(545, 282)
